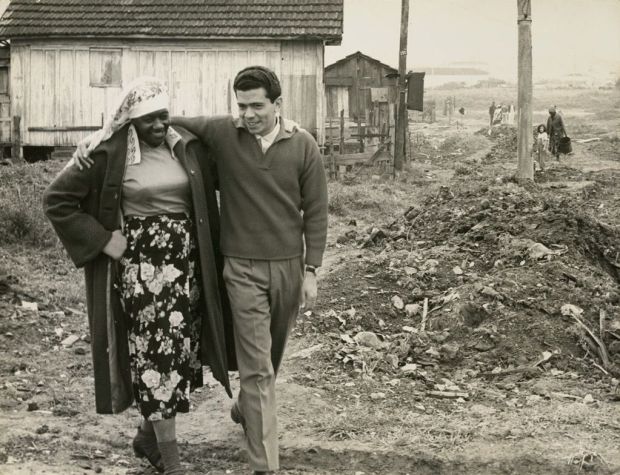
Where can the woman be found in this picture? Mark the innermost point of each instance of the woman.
(156, 301)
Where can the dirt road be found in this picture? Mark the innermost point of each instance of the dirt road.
(442, 400)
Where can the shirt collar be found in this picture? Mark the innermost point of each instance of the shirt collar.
(271, 136)
(134, 156)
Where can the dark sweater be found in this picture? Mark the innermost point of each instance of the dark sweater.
(272, 202)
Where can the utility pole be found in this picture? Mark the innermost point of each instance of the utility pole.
(402, 122)
(525, 170)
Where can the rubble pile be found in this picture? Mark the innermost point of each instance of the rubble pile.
(475, 282)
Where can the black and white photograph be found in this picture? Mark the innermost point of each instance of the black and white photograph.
(310, 237)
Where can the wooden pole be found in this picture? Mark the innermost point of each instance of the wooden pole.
(525, 170)
(401, 123)
(341, 132)
(16, 149)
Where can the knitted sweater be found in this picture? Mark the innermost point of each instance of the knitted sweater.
(270, 202)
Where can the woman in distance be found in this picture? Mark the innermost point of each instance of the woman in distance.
(156, 302)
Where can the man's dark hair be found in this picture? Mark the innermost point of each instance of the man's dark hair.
(255, 77)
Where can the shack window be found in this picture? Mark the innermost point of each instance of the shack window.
(105, 67)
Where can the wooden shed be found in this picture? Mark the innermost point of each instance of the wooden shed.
(357, 81)
(70, 58)
(362, 90)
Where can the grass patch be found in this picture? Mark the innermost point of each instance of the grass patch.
(22, 220)
(375, 199)
(463, 143)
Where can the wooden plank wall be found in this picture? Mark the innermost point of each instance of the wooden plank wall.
(302, 84)
(370, 74)
(51, 82)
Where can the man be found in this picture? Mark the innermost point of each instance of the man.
(556, 130)
(491, 113)
(273, 197)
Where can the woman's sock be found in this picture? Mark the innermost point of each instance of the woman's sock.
(147, 427)
(170, 456)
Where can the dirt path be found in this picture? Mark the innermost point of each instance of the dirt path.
(332, 420)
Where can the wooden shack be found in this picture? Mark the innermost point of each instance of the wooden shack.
(362, 90)
(70, 58)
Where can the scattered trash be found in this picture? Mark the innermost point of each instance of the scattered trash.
(368, 339)
(33, 306)
(398, 302)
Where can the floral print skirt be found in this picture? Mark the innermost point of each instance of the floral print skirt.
(160, 293)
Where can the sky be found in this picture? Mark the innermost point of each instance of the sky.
(568, 36)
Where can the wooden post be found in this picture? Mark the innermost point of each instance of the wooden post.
(525, 170)
(341, 131)
(359, 132)
(401, 123)
(16, 149)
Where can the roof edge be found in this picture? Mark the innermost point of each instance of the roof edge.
(328, 39)
(359, 53)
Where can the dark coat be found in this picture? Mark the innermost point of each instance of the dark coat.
(84, 208)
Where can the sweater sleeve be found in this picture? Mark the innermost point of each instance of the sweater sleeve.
(200, 126)
(314, 202)
(80, 233)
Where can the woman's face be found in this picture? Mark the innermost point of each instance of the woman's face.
(152, 127)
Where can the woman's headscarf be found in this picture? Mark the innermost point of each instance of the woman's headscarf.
(141, 97)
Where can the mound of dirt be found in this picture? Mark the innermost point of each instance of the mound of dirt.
(477, 280)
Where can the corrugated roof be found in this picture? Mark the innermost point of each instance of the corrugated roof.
(265, 19)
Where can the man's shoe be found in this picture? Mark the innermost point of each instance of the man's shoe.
(237, 417)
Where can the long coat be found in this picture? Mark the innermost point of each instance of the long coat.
(84, 208)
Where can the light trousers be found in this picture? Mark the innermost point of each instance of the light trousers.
(264, 298)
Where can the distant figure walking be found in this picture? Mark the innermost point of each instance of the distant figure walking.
(556, 130)
(491, 113)
(497, 115)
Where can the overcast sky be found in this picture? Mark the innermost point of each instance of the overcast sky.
(568, 36)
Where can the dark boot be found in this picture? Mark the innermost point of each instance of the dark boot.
(145, 446)
(170, 457)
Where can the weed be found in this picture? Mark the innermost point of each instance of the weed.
(463, 170)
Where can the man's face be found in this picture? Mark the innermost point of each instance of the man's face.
(152, 127)
(257, 111)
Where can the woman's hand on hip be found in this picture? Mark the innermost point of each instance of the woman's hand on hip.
(115, 248)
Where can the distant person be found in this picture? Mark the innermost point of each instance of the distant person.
(491, 113)
(504, 119)
(511, 114)
(497, 115)
(556, 131)
(541, 142)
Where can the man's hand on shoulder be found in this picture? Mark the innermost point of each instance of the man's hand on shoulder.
(81, 156)
(291, 125)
